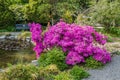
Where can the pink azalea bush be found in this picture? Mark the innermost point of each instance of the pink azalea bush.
(36, 36)
(79, 42)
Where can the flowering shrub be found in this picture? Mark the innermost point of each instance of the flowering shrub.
(37, 38)
(79, 42)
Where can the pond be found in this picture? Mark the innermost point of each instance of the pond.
(15, 48)
(13, 57)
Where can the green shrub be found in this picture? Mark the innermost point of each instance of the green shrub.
(29, 72)
(110, 38)
(10, 28)
(92, 63)
(78, 73)
(21, 72)
(67, 17)
(63, 76)
(114, 30)
(6, 16)
(53, 56)
(50, 69)
(49, 72)
(7, 28)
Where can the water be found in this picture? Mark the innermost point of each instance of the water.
(13, 57)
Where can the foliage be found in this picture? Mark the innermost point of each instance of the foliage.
(67, 16)
(53, 56)
(7, 29)
(114, 30)
(51, 69)
(29, 72)
(38, 12)
(110, 38)
(41, 11)
(69, 9)
(63, 76)
(82, 19)
(92, 63)
(78, 73)
(21, 72)
(84, 4)
(6, 16)
(105, 13)
(77, 41)
(49, 72)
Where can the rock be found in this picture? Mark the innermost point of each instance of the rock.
(1, 70)
(34, 62)
(12, 43)
(2, 37)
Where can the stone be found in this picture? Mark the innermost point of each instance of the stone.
(34, 62)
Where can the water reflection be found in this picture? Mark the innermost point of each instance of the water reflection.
(14, 57)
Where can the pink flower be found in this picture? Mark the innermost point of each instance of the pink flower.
(77, 41)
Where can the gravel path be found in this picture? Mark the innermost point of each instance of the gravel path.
(111, 71)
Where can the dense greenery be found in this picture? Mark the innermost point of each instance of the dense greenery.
(21, 72)
(50, 72)
(6, 15)
(78, 73)
(42, 11)
(29, 72)
(93, 12)
(92, 63)
(114, 30)
(54, 56)
(64, 76)
(106, 13)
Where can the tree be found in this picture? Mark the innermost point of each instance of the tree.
(41, 11)
(6, 15)
(106, 13)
